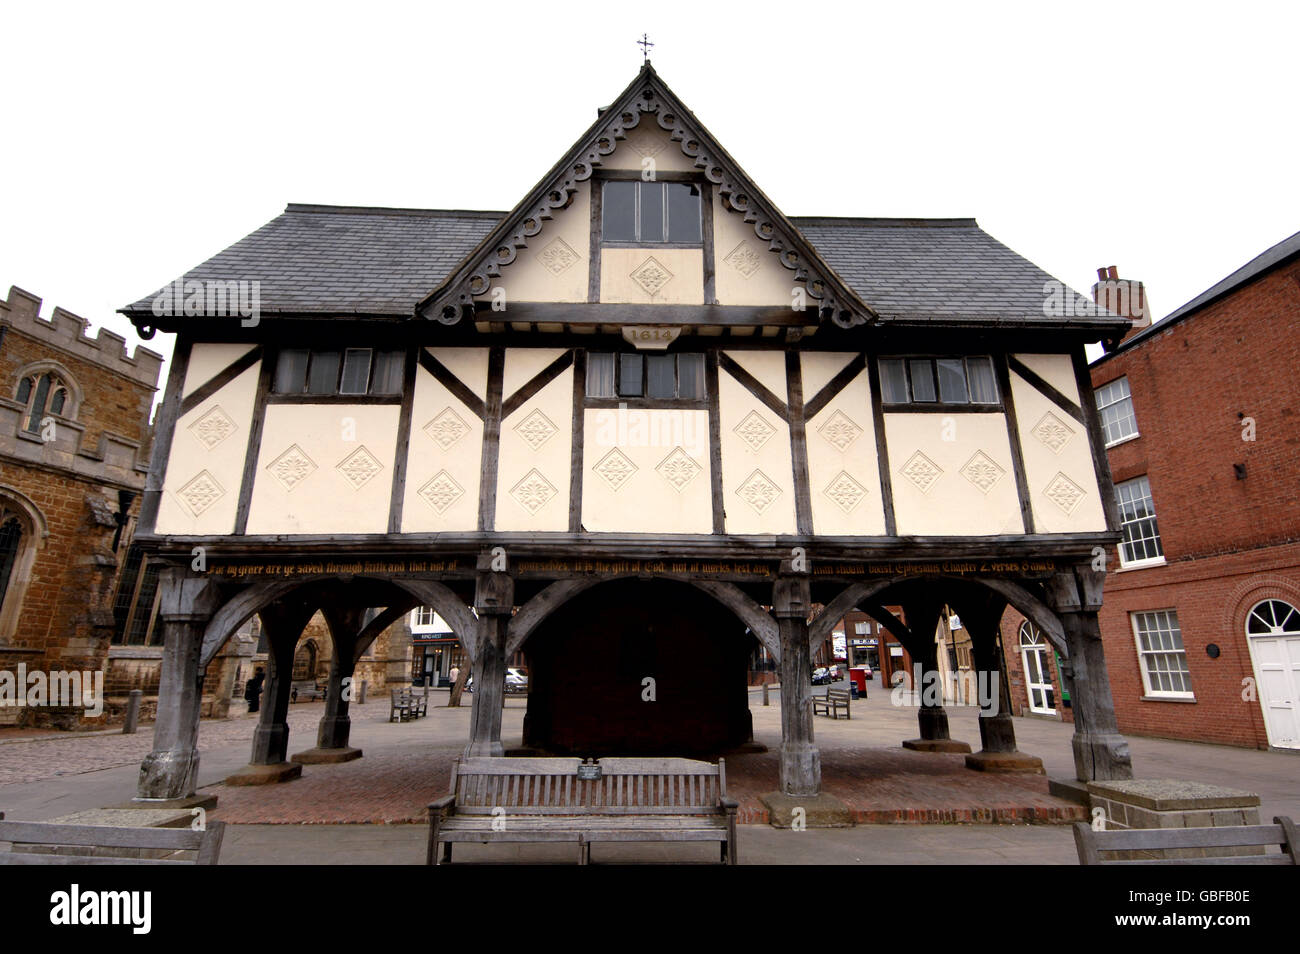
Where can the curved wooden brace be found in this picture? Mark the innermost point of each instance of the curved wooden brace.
(760, 623)
(449, 606)
(234, 612)
(1034, 609)
(848, 598)
(390, 615)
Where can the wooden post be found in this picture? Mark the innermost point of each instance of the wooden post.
(1100, 752)
(801, 769)
(186, 604)
(335, 724)
(283, 625)
(494, 603)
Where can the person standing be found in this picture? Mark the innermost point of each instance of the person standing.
(454, 674)
(253, 690)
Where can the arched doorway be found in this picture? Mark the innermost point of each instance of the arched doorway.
(1273, 634)
(1038, 674)
(639, 667)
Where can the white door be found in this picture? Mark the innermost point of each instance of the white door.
(1038, 677)
(1273, 632)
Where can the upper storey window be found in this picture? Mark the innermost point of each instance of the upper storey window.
(655, 376)
(651, 213)
(938, 381)
(44, 392)
(1115, 404)
(345, 371)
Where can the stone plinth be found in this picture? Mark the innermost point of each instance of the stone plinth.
(319, 756)
(937, 745)
(819, 811)
(985, 761)
(269, 774)
(1172, 803)
(128, 818)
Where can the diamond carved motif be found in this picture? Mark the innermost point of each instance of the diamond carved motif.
(446, 428)
(359, 467)
(759, 491)
(213, 427)
(616, 469)
(533, 491)
(845, 492)
(1064, 492)
(754, 430)
(921, 471)
(982, 471)
(651, 276)
(201, 492)
(441, 491)
(840, 431)
(292, 467)
(557, 256)
(744, 259)
(678, 468)
(1053, 432)
(646, 144)
(536, 429)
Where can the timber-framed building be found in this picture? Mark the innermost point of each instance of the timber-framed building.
(630, 427)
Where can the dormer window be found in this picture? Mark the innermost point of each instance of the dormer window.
(651, 213)
(355, 371)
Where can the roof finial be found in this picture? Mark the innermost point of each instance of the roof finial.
(645, 45)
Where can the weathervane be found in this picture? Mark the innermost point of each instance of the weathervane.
(645, 45)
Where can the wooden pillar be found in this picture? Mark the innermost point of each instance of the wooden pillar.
(335, 725)
(801, 769)
(931, 716)
(170, 771)
(271, 737)
(493, 602)
(1100, 752)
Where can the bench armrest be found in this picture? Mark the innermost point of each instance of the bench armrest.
(729, 805)
(439, 807)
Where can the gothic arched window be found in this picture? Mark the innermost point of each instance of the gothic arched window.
(44, 392)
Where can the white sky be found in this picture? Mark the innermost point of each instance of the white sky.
(144, 138)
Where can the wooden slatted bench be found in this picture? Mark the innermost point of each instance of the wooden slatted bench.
(39, 843)
(498, 800)
(831, 704)
(1282, 832)
(401, 711)
(305, 689)
(419, 703)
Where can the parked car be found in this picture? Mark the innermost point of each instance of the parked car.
(516, 681)
(821, 676)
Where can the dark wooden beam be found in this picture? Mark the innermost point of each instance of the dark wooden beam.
(487, 509)
(1013, 439)
(1096, 439)
(882, 449)
(753, 386)
(402, 452)
(576, 441)
(442, 374)
(254, 448)
(220, 380)
(798, 443)
(833, 387)
(1049, 392)
(666, 315)
(715, 441)
(169, 413)
(535, 384)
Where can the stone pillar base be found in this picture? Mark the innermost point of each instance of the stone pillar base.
(1100, 757)
(1005, 762)
(936, 745)
(270, 774)
(205, 802)
(1170, 803)
(319, 756)
(486, 749)
(801, 769)
(819, 811)
(168, 775)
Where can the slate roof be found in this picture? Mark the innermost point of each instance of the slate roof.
(336, 260)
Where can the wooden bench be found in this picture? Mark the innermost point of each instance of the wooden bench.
(401, 710)
(305, 689)
(1251, 838)
(419, 703)
(38, 843)
(496, 800)
(832, 703)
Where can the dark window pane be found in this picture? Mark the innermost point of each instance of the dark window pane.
(661, 375)
(38, 403)
(600, 375)
(922, 373)
(11, 534)
(24, 390)
(356, 371)
(952, 381)
(386, 378)
(56, 403)
(291, 372)
(323, 378)
(683, 212)
(690, 375)
(629, 375)
(652, 212)
(618, 211)
(893, 381)
(983, 390)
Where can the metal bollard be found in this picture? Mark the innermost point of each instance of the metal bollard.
(132, 712)
(766, 700)
(361, 695)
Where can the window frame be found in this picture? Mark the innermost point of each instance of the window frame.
(643, 400)
(1101, 409)
(938, 405)
(337, 396)
(1161, 694)
(1158, 560)
(660, 179)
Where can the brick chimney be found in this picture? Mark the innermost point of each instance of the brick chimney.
(1124, 297)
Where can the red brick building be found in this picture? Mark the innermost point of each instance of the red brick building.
(1201, 620)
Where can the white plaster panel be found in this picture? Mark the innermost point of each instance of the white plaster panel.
(767, 367)
(303, 484)
(1057, 455)
(683, 268)
(746, 467)
(648, 139)
(747, 271)
(206, 464)
(207, 360)
(533, 462)
(1056, 369)
(445, 459)
(843, 471)
(553, 267)
(522, 365)
(949, 504)
(816, 369)
(646, 471)
(468, 364)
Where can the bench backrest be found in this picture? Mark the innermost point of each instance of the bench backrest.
(550, 786)
(103, 845)
(1252, 838)
(838, 694)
